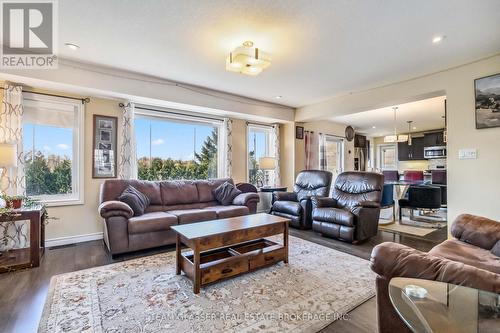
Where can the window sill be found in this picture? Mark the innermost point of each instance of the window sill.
(62, 202)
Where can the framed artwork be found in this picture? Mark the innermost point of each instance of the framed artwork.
(104, 144)
(487, 101)
(299, 132)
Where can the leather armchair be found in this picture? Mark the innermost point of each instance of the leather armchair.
(297, 205)
(468, 259)
(353, 211)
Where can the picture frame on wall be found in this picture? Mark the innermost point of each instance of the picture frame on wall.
(299, 132)
(104, 158)
(487, 101)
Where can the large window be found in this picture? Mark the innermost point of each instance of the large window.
(53, 150)
(334, 159)
(259, 145)
(388, 157)
(177, 147)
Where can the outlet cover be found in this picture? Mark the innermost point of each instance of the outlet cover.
(467, 154)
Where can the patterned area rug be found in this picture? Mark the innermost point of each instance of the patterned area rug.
(317, 287)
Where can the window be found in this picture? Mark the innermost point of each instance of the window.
(259, 145)
(334, 149)
(53, 149)
(387, 157)
(177, 147)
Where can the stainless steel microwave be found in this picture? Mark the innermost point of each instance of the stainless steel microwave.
(435, 152)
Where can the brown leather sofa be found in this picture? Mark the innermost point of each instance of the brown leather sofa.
(466, 260)
(172, 202)
(296, 205)
(352, 213)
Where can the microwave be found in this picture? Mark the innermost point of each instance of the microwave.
(435, 152)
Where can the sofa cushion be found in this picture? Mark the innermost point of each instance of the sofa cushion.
(206, 188)
(288, 207)
(135, 199)
(496, 249)
(179, 192)
(225, 193)
(151, 222)
(112, 188)
(468, 254)
(193, 215)
(224, 212)
(334, 215)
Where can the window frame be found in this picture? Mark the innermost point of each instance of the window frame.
(269, 144)
(341, 157)
(77, 197)
(176, 117)
(380, 160)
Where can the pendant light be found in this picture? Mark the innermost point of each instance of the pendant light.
(409, 132)
(395, 138)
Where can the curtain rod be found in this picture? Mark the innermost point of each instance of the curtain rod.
(259, 124)
(171, 112)
(84, 100)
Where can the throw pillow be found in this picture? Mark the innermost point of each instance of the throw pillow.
(135, 199)
(496, 249)
(226, 193)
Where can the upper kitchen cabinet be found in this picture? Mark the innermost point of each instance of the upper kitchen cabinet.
(434, 139)
(413, 152)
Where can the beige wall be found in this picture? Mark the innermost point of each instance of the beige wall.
(472, 184)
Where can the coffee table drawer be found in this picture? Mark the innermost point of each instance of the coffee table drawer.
(227, 268)
(267, 258)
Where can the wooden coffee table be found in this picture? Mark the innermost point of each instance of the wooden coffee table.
(229, 247)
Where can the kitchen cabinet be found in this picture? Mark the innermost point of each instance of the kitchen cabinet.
(434, 139)
(413, 152)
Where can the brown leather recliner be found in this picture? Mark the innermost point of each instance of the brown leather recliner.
(171, 203)
(296, 205)
(466, 260)
(352, 213)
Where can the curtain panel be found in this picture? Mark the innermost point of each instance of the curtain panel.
(277, 154)
(311, 150)
(127, 167)
(227, 144)
(322, 151)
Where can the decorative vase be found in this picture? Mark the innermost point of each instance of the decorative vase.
(15, 203)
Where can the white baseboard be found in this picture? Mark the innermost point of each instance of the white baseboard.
(73, 239)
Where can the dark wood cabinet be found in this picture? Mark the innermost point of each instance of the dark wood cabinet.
(434, 139)
(413, 152)
(360, 141)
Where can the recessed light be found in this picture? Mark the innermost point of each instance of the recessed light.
(414, 127)
(438, 39)
(374, 126)
(279, 97)
(72, 46)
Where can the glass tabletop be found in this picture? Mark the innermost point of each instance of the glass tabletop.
(438, 307)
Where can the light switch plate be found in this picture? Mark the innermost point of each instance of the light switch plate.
(467, 154)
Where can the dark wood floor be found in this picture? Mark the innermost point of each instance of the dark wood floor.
(22, 293)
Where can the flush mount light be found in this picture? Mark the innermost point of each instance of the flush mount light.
(438, 39)
(279, 97)
(248, 60)
(72, 46)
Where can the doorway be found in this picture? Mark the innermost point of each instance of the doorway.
(334, 155)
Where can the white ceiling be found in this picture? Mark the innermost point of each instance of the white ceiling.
(426, 115)
(319, 48)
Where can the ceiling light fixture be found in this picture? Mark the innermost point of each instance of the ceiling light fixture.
(248, 60)
(409, 132)
(438, 39)
(72, 46)
(374, 127)
(395, 138)
(279, 97)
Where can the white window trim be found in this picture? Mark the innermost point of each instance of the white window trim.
(77, 170)
(342, 149)
(269, 146)
(189, 119)
(379, 156)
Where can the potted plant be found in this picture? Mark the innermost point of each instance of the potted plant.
(14, 202)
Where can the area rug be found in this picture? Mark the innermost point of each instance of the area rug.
(318, 286)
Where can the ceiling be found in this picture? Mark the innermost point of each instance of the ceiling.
(319, 49)
(426, 115)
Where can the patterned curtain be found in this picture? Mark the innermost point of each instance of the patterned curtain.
(277, 154)
(13, 234)
(312, 150)
(322, 151)
(11, 131)
(227, 143)
(127, 168)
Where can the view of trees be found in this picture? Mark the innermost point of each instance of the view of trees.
(203, 166)
(47, 175)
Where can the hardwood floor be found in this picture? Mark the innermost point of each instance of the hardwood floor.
(22, 293)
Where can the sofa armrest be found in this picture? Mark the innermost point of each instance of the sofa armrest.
(284, 196)
(368, 204)
(115, 208)
(476, 230)
(395, 260)
(244, 198)
(323, 202)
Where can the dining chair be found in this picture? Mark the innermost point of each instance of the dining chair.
(390, 175)
(413, 175)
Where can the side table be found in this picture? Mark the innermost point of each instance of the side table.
(19, 258)
(266, 199)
